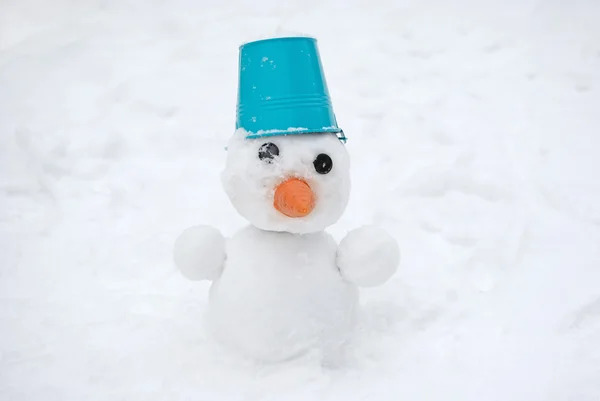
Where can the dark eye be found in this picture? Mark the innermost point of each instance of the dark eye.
(323, 164)
(268, 151)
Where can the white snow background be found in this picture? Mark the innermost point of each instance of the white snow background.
(474, 133)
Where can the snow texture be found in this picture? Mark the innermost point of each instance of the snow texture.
(473, 136)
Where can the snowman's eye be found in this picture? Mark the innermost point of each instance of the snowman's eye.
(268, 151)
(323, 163)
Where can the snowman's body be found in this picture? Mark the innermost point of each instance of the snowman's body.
(281, 294)
(283, 286)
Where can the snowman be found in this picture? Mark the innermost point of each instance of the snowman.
(282, 286)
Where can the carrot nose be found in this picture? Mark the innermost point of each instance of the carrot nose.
(294, 198)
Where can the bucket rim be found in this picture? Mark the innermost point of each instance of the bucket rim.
(278, 38)
(303, 131)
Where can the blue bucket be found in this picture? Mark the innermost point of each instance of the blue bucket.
(282, 89)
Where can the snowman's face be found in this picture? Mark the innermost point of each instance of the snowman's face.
(294, 183)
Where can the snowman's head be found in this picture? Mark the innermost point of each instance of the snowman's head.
(294, 183)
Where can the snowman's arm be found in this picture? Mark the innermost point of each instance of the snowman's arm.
(368, 256)
(199, 253)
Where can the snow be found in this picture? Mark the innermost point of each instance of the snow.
(276, 131)
(472, 132)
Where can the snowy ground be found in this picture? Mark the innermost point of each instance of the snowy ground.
(474, 134)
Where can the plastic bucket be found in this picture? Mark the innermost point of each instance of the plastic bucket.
(282, 89)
